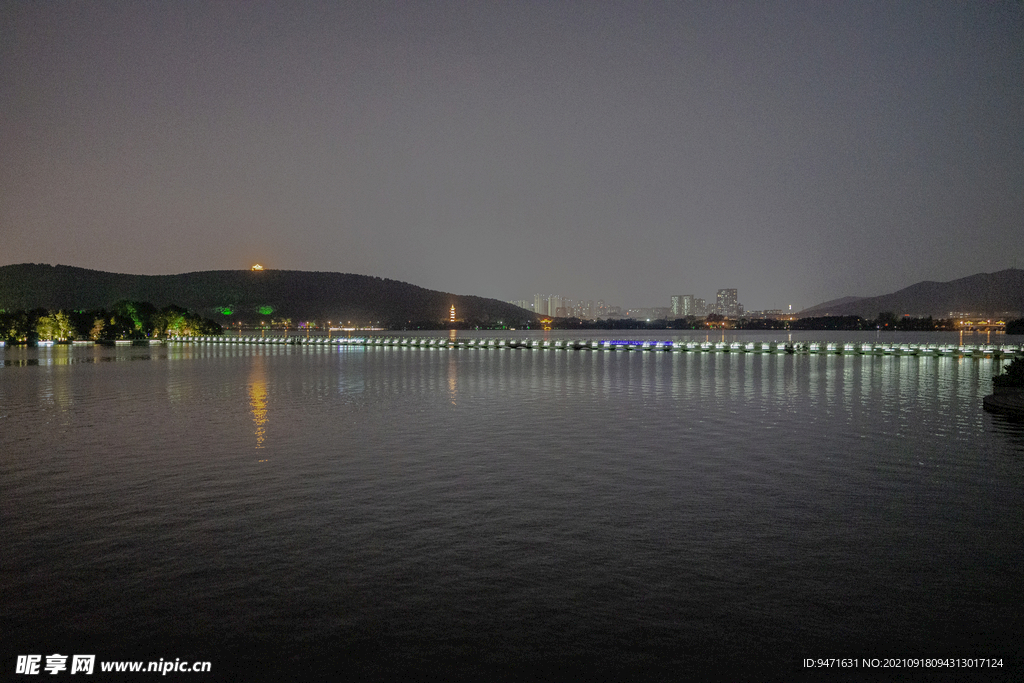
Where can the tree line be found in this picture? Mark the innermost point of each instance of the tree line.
(885, 321)
(124, 320)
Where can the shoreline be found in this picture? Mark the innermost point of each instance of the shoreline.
(1005, 403)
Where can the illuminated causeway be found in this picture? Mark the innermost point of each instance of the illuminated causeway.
(625, 345)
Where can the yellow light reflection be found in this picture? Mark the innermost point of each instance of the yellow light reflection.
(258, 400)
(453, 390)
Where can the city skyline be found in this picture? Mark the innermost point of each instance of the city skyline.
(799, 152)
(726, 303)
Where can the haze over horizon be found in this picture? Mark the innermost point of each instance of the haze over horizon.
(799, 153)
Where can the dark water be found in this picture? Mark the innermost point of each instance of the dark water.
(299, 514)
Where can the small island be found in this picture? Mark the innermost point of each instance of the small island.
(125, 320)
(1008, 390)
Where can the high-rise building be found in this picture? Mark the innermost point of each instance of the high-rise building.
(727, 303)
(557, 306)
(700, 308)
(540, 304)
(585, 310)
(682, 306)
(676, 309)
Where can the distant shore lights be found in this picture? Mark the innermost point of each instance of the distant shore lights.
(257, 267)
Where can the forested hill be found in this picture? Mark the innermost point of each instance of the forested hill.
(1000, 293)
(244, 295)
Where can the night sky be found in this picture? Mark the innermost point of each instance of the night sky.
(628, 151)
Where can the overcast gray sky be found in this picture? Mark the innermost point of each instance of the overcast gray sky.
(628, 151)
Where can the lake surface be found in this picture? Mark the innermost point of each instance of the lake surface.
(288, 513)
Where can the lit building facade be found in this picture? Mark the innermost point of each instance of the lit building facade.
(676, 307)
(684, 305)
(728, 303)
(540, 304)
(584, 310)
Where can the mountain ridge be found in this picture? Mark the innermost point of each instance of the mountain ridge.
(247, 296)
(983, 294)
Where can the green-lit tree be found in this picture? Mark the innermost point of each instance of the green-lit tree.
(167, 320)
(1013, 374)
(20, 326)
(98, 330)
(14, 327)
(177, 321)
(135, 318)
(55, 327)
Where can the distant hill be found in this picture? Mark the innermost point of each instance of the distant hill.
(244, 295)
(989, 294)
(813, 310)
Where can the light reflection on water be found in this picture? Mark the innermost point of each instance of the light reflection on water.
(457, 506)
(258, 399)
